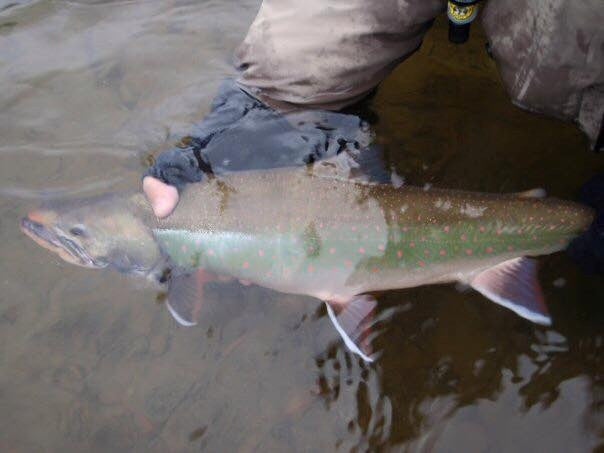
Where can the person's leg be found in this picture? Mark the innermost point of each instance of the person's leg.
(550, 57)
(325, 54)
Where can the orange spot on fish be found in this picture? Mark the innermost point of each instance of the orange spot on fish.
(399, 253)
(489, 249)
(421, 263)
(245, 265)
(411, 244)
(442, 252)
(375, 269)
(468, 251)
(482, 229)
(446, 229)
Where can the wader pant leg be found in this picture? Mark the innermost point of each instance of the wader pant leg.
(551, 57)
(329, 54)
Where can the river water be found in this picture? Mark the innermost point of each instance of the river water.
(90, 361)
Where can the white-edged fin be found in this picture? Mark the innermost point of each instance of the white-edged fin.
(352, 321)
(179, 319)
(514, 285)
(537, 192)
(185, 296)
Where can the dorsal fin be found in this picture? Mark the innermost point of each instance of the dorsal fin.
(537, 192)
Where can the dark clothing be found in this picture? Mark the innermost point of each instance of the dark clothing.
(241, 133)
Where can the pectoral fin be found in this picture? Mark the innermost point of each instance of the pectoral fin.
(185, 296)
(352, 320)
(514, 285)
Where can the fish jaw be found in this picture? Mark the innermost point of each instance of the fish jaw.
(45, 237)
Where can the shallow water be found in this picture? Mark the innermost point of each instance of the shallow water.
(89, 360)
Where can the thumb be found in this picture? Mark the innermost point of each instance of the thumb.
(162, 197)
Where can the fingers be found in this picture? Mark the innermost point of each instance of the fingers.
(163, 197)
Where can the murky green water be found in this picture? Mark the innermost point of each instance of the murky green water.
(90, 361)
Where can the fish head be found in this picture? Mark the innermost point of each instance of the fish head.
(99, 232)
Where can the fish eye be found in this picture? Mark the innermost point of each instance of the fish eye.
(77, 231)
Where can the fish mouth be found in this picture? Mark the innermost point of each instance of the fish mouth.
(66, 248)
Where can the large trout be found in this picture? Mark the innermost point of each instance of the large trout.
(299, 231)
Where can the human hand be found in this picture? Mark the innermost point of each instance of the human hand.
(163, 197)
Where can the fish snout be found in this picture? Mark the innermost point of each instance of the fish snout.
(39, 223)
(40, 216)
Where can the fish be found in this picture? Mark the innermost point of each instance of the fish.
(314, 232)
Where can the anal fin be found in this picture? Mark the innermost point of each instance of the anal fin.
(353, 321)
(514, 285)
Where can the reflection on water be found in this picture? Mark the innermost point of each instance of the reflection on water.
(89, 359)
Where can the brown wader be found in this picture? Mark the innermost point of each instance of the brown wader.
(329, 54)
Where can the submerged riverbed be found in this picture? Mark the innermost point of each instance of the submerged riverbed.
(90, 91)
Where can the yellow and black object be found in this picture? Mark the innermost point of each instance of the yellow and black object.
(461, 13)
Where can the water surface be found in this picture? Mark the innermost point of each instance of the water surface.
(90, 360)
